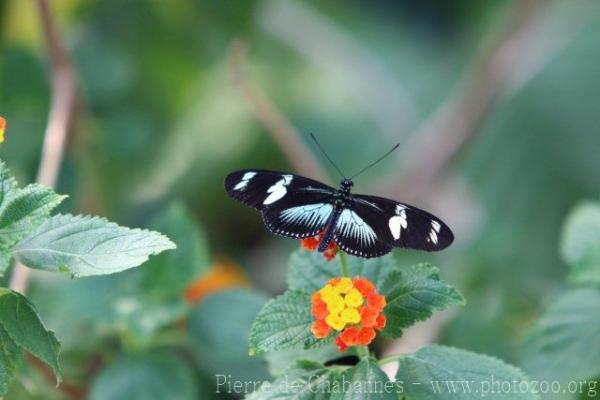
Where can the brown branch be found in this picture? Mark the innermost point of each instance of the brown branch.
(62, 107)
(273, 121)
(442, 136)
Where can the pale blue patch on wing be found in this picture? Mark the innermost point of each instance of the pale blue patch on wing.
(307, 215)
(351, 225)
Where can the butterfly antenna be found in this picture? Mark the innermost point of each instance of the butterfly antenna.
(326, 155)
(375, 162)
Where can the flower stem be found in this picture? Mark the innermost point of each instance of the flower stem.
(344, 264)
(362, 352)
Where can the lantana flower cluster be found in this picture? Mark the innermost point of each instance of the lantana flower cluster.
(312, 243)
(351, 307)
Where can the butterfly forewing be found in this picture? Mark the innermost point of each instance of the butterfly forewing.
(291, 205)
(402, 225)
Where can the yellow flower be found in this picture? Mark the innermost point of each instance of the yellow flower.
(328, 292)
(354, 298)
(344, 285)
(335, 321)
(335, 304)
(350, 316)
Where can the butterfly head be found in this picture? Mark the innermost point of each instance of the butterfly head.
(347, 184)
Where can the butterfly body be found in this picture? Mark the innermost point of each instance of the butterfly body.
(364, 226)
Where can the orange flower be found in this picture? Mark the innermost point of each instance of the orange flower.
(351, 307)
(2, 128)
(312, 244)
(320, 329)
(223, 274)
(368, 316)
(363, 286)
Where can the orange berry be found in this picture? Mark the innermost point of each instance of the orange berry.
(365, 336)
(380, 323)
(319, 309)
(376, 301)
(340, 344)
(363, 286)
(320, 329)
(368, 316)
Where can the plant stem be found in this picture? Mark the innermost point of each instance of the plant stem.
(362, 352)
(344, 264)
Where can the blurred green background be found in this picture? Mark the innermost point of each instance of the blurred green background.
(162, 117)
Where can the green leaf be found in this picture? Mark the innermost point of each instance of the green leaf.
(87, 246)
(306, 380)
(586, 271)
(284, 323)
(281, 360)
(5, 258)
(439, 372)
(23, 211)
(564, 344)
(218, 329)
(10, 358)
(310, 271)
(413, 294)
(171, 272)
(22, 324)
(581, 232)
(8, 184)
(366, 381)
(145, 377)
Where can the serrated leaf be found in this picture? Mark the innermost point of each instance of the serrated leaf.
(145, 377)
(284, 323)
(171, 272)
(413, 294)
(21, 210)
(10, 358)
(310, 270)
(306, 380)
(581, 232)
(22, 324)
(218, 328)
(564, 344)
(438, 372)
(366, 381)
(8, 184)
(86, 246)
(25, 210)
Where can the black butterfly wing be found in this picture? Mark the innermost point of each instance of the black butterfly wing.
(291, 205)
(402, 225)
(356, 234)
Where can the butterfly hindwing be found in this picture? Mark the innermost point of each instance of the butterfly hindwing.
(402, 225)
(356, 235)
(291, 205)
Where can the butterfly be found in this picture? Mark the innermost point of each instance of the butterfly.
(362, 225)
